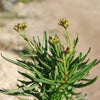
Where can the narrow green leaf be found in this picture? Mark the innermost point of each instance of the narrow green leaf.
(81, 97)
(22, 99)
(73, 70)
(37, 72)
(27, 75)
(45, 41)
(61, 70)
(43, 89)
(30, 87)
(10, 91)
(17, 63)
(46, 81)
(79, 74)
(76, 41)
(97, 63)
(32, 45)
(70, 91)
(44, 64)
(59, 48)
(35, 43)
(32, 66)
(29, 55)
(56, 72)
(86, 84)
(25, 82)
(77, 60)
(16, 93)
(52, 51)
(81, 65)
(39, 41)
(51, 89)
(83, 58)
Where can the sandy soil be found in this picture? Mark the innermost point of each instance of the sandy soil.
(84, 18)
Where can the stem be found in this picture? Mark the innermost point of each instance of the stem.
(65, 67)
(68, 37)
(57, 50)
(30, 43)
(22, 33)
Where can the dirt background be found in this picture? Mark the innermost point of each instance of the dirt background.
(84, 18)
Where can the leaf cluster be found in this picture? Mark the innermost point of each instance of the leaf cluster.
(53, 73)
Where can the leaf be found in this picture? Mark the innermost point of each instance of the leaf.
(37, 72)
(59, 48)
(45, 42)
(52, 51)
(30, 87)
(86, 84)
(10, 91)
(32, 45)
(32, 66)
(97, 63)
(27, 75)
(46, 81)
(44, 64)
(51, 89)
(43, 89)
(35, 43)
(56, 72)
(81, 97)
(60, 70)
(13, 92)
(77, 60)
(18, 63)
(79, 74)
(72, 92)
(76, 41)
(81, 65)
(83, 58)
(39, 41)
(29, 55)
(73, 70)
(22, 99)
(25, 82)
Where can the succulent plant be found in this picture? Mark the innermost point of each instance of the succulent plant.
(53, 69)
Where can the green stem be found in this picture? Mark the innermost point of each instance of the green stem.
(57, 50)
(65, 67)
(68, 37)
(30, 43)
(22, 33)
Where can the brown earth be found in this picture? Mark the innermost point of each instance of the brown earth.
(84, 18)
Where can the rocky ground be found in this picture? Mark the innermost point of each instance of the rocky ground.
(84, 18)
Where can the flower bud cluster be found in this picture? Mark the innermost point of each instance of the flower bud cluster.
(68, 51)
(54, 40)
(20, 27)
(64, 22)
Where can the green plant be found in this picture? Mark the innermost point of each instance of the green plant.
(27, 1)
(55, 72)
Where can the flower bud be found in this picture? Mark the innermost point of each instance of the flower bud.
(20, 27)
(64, 22)
(54, 40)
(68, 51)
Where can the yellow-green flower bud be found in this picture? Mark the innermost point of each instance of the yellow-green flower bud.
(20, 27)
(54, 40)
(64, 22)
(16, 28)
